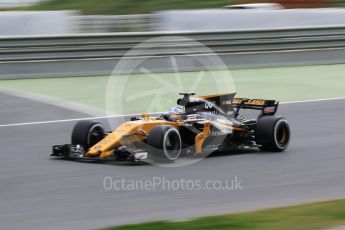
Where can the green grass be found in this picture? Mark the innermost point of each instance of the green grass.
(315, 216)
(126, 6)
(136, 93)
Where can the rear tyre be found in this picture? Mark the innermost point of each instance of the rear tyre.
(165, 142)
(272, 133)
(87, 133)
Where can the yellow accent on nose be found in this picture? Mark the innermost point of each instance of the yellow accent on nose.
(125, 134)
(102, 148)
(105, 154)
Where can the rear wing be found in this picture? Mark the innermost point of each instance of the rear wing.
(267, 107)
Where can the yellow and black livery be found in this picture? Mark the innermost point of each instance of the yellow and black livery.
(207, 124)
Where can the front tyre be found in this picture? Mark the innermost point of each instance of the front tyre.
(272, 133)
(165, 142)
(87, 133)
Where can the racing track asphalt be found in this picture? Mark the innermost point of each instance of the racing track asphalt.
(39, 193)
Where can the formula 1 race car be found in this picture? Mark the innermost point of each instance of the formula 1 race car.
(201, 124)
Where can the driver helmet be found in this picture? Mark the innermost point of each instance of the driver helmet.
(176, 111)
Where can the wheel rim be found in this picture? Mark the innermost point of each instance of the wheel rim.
(172, 144)
(95, 134)
(282, 134)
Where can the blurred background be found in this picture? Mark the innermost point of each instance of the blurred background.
(87, 16)
(80, 28)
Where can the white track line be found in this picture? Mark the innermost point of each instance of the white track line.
(118, 116)
(316, 100)
(61, 121)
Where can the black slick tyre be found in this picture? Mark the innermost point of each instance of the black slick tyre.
(272, 133)
(87, 133)
(165, 143)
